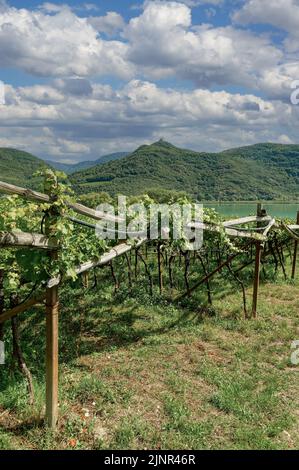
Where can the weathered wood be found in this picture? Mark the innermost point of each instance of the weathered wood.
(25, 240)
(52, 309)
(269, 227)
(295, 252)
(293, 227)
(105, 259)
(40, 197)
(246, 220)
(93, 214)
(26, 193)
(291, 232)
(229, 231)
(21, 308)
(257, 268)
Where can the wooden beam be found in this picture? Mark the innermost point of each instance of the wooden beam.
(269, 227)
(232, 232)
(118, 250)
(21, 308)
(40, 197)
(246, 220)
(23, 192)
(295, 253)
(97, 215)
(25, 240)
(291, 232)
(294, 227)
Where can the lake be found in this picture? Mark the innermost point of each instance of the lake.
(242, 209)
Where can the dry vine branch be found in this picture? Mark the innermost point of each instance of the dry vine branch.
(17, 351)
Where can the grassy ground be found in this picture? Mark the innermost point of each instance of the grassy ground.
(141, 373)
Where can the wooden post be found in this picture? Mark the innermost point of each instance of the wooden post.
(257, 268)
(52, 308)
(295, 253)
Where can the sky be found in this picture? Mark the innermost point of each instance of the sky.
(86, 78)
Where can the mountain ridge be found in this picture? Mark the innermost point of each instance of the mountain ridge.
(264, 171)
(11, 171)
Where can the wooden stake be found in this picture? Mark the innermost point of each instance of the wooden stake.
(295, 253)
(52, 357)
(257, 269)
(52, 309)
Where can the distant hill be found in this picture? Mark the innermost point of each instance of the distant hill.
(17, 167)
(72, 168)
(262, 171)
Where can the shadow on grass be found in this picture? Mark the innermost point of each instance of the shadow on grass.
(98, 321)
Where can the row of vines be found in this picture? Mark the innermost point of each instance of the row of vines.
(161, 267)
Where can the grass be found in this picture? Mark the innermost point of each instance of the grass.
(141, 373)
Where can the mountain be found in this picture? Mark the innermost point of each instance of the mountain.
(262, 171)
(69, 168)
(17, 167)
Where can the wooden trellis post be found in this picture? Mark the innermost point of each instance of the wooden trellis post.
(295, 253)
(52, 312)
(257, 268)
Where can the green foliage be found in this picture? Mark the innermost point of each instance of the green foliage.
(77, 245)
(17, 167)
(95, 199)
(259, 172)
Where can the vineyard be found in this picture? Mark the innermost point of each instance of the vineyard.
(48, 240)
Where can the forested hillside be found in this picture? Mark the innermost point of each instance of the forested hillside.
(264, 171)
(17, 167)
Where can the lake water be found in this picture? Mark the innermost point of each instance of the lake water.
(242, 209)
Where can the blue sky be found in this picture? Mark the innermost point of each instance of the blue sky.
(85, 78)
